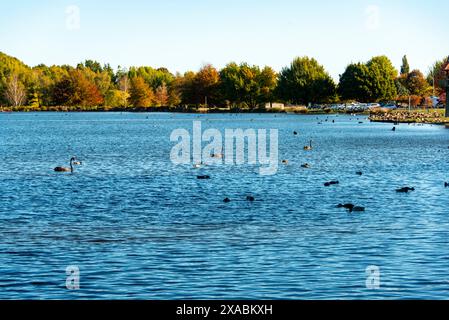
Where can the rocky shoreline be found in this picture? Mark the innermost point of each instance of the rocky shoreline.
(424, 117)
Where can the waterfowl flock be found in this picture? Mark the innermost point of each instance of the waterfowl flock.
(348, 206)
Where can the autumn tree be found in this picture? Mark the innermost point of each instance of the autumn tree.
(186, 87)
(436, 75)
(161, 96)
(206, 85)
(417, 83)
(141, 95)
(268, 84)
(15, 91)
(77, 90)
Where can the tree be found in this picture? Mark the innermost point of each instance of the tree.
(306, 81)
(230, 83)
(354, 83)
(124, 85)
(86, 93)
(417, 84)
(161, 96)
(206, 85)
(436, 75)
(141, 94)
(247, 85)
(77, 90)
(268, 83)
(15, 91)
(116, 98)
(382, 75)
(405, 68)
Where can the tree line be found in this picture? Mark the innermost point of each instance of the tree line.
(92, 86)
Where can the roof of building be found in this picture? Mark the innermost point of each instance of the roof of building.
(447, 68)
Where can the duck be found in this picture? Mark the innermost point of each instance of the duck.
(285, 162)
(405, 190)
(227, 200)
(331, 183)
(250, 199)
(446, 185)
(305, 166)
(203, 177)
(359, 173)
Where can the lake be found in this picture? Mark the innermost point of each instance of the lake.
(140, 227)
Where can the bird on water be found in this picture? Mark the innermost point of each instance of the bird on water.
(65, 169)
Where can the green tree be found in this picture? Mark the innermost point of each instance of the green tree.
(268, 83)
(382, 75)
(405, 68)
(354, 83)
(306, 81)
(247, 85)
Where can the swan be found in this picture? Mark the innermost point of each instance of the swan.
(309, 147)
(64, 169)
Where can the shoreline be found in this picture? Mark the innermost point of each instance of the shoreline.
(420, 116)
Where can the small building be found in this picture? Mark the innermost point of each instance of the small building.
(275, 105)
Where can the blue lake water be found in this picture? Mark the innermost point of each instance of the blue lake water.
(140, 227)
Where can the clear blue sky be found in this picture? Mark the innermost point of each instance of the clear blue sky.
(184, 34)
